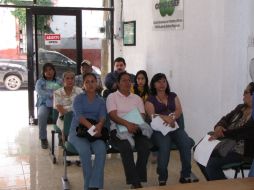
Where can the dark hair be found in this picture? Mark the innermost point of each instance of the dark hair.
(120, 59)
(121, 74)
(146, 86)
(44, 69)
(156, 78)
(251, 85)
(89, 74)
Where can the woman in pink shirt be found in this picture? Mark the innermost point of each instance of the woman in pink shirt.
(118, 104)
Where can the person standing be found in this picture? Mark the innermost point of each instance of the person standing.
(45, 86)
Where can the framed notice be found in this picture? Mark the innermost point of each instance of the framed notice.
(129, 33)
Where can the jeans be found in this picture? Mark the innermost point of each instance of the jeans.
(183, 142)
(251, 173)
(134, 172)
(93, 173)
(213, 170)
(43, 115)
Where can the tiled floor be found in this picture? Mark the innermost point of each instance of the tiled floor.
(25, 166)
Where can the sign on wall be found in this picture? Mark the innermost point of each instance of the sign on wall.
(52, 39)
(168, 14)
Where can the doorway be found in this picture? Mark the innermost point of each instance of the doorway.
(72, 34)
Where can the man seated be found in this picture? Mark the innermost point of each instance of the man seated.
(238, 125)
(86, 67)
(111, 78)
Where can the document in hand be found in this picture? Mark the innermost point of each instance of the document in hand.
(204, 150)
(157, 124)
(133, 116)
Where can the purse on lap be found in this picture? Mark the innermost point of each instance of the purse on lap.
(82, 131)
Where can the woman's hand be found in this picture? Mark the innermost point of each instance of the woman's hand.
(169, 120)
(132, 127)
(218, 132)
(98, 129)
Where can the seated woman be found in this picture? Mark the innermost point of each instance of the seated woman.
(45, 86)
(64, 97)
(120, 103)
(140, 86)
(164, 102)
(88, 107)
(239, 126)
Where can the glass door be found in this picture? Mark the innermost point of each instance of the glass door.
(54, 35)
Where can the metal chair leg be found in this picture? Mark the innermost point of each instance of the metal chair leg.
(65, 181)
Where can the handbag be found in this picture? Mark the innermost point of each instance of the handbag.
(82, 131)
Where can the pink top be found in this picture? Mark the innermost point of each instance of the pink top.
(124, 104)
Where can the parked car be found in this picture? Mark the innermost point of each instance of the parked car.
(61, 62)
(13, 73)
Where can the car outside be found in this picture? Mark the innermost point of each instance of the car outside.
(13, 73)
(61, 62)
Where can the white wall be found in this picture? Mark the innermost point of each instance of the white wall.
(206, 62)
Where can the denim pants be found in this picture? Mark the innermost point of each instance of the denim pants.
(134, 172)
(183, 143)
(251, 173)
(43, 115)
(93, 172)
(213, 170)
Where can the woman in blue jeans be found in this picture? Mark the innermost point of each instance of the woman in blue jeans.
(45, 87)
(88, 107)
(166, 105)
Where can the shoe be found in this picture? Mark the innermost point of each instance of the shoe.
(136, 186)
(44, 143)
(185, 180)
(162, 183)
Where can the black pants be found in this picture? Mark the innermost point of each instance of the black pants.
(134, 172)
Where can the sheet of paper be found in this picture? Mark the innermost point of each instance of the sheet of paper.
(204, 150)
(91, 131)
(133, 116)
(158, 125)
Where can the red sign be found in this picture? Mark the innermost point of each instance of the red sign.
(52, 39)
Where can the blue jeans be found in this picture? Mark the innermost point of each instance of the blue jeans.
(213, 170)
(43, 115)
(93, 173)
(251, 173)
(183, 142)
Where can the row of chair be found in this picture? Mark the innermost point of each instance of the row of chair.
(69, 150)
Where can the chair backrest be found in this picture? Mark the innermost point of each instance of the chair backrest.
(180, 121)
(67, 123)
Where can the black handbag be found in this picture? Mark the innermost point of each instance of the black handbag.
(81, 131)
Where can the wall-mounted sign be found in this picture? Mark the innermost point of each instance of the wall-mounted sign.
(129, 33)
(52, 39)
(168, 14)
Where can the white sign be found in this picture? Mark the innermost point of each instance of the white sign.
(52, 39)
(168, 14)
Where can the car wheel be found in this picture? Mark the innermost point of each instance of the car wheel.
(12, 82)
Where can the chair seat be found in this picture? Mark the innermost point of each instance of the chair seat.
(56, 129)
(70, 149)
(232, 165)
